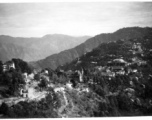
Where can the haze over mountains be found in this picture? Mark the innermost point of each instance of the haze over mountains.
(67, 56)
(33, 49)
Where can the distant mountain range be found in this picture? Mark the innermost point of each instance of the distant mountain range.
(33, 49)
(55, 60)
(120, 50)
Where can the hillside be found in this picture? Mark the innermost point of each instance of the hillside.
(32, 49)
(67, 56)
(120, 49)
(120, 73)
(116, 82)
(75, 60)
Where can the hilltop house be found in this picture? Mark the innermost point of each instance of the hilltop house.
(8, 65)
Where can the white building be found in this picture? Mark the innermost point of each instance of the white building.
(8, 65)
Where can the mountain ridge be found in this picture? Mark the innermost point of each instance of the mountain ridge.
(67, 56)
(33, 49)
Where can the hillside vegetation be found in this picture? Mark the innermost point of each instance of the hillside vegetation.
(67, 56)
(113, 79)
(33, 49)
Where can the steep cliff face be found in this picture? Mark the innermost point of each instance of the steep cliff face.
(67, 56)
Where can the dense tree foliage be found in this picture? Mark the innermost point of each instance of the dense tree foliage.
(100, 94)
(37, 77)
(21, 66)
(118, 101)
(12, 78)
(34, 109)
(43, 83)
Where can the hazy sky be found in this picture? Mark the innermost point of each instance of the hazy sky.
(75, 18)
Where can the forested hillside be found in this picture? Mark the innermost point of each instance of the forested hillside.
(68, 56)
(114, 79)
(33, 49)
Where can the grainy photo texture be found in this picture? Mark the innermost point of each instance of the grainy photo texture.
(75, 59)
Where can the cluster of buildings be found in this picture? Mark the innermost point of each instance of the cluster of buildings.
(121, 67)
(131, 69)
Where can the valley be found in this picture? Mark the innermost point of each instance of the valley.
(33, 49)
(112, 80)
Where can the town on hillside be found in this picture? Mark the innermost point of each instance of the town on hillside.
(114, 79)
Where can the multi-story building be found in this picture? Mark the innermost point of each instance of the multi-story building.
(8, 65)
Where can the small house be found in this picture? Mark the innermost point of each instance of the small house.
(24, 93)
(8, 65)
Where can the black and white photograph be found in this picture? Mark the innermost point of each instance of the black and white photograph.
(80, 59)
